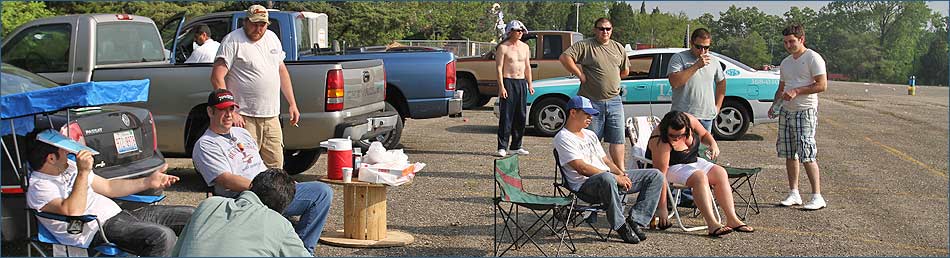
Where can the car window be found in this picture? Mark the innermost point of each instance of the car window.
(552, 47)
(664, 65)
(640, 67)
(16, 80)
(274, 26)
(41, 49)
(186, 41)
(532, 46)
(127, 42)
(302, 27)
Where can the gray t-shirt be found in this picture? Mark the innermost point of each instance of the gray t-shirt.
(698, 96)
(236, 153)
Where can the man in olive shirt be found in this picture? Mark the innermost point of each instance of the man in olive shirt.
(604, 62)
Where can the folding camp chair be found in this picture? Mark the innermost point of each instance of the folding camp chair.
(509, 190)
(580, 208)
(740, 177)
(638, 132)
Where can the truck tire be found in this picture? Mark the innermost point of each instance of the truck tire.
(548, 116)
(298, 161)
(733, 120)
(470, 98)
(389, 140)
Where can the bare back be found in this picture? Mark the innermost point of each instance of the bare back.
(512, 58)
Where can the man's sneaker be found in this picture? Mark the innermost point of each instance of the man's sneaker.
(637, 230)
(816, 203)
(502, 153)
(627, 235)
(793, 199)
(521, 152)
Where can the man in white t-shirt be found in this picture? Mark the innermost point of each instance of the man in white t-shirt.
(590, 172)
(802, 77)
(250, 63)
(205, 47)
(61, 186)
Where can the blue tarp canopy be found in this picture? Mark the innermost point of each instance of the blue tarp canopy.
(17, 110)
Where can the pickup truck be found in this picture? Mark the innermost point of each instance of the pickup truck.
(478, 78)
(105, 47)
(419, 84)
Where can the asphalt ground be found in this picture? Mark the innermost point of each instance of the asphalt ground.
(883, 157)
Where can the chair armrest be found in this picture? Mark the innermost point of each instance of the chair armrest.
(58, 217)
(150, 199)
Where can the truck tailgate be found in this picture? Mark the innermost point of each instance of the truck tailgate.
(364, 83)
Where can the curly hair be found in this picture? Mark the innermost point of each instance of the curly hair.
(676, 120)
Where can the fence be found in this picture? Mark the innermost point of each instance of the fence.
(461, 48)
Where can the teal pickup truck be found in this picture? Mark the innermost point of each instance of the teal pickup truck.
(749, 94)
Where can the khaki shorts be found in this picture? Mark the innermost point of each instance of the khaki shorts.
(266, 131)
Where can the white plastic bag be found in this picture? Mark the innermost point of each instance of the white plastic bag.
(377, 154)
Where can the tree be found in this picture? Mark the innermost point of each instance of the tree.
(643, 7)
(622, 17)
(25, 12)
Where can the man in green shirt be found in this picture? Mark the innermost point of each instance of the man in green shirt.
(249, 226)
(604, 62)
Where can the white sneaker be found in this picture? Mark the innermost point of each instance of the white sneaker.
(502, 153)
(521, 152)
(793, 199)
(816, 203)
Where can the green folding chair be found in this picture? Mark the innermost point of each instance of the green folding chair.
(509, 195)
(740, 177)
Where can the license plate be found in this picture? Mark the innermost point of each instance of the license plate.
(125, 142)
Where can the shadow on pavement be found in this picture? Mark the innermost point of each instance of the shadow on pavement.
(479, 129)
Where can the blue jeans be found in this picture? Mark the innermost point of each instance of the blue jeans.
(707, 123)
(148, 231)
(609, 124)
(602, 188)
(312, 204)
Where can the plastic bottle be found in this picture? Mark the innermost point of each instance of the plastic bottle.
(357, 160)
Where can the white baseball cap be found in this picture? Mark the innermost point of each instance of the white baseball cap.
(515, 24)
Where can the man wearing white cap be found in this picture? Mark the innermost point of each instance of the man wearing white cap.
(514, 77)
(250, 63)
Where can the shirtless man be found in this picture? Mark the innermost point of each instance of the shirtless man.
(514, 75)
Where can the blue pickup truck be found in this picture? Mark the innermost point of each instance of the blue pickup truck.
(419, 84)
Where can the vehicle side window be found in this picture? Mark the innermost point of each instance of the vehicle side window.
(532, 47)
(552, 47)
(664, 65)
(219, 29)
(274, 26)
(40, 49)
(640, 67)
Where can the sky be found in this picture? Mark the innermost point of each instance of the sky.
(694, 9)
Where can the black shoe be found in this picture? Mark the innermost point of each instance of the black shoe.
(627, 235)
(637, 230)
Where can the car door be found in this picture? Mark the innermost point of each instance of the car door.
(660, 104)
(548, 65)
(185, 43)
(638, 85)
(42, 49)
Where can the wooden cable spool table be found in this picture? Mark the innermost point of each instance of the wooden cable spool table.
(364, 218)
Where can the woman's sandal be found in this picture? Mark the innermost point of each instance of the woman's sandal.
(722, 230)
(662, 227)
(744, 229)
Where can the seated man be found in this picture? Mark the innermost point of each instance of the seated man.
(249, 226)
(65, 187)
(228, 158)
(589, 171)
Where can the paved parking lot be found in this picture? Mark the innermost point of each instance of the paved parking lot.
(883, 157)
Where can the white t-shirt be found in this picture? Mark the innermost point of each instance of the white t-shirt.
(570, 147)
(45, 188)
(204, 53)
(236, 153)
(254, 72)
(801, 72)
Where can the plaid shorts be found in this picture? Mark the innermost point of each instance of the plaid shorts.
(796, 135)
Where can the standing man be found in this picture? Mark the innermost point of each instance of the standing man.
(250, 63)
(802, 77)
(604, 62)
(204, 48)
(692, 75)
(514, 75)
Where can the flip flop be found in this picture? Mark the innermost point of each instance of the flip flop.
(744, 229)
(720, 231)
(662, 227)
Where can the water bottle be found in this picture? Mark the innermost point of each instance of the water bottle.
(357, 160)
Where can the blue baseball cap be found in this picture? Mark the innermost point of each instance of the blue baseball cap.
(580, 102)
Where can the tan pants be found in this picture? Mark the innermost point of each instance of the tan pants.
(270, 138)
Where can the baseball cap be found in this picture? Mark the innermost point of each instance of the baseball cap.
(580, 102)
(257, 13)
(221, 99)
(515, 24)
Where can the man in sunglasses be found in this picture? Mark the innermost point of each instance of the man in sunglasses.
(604, 62)
(693, 75)
(512, 60)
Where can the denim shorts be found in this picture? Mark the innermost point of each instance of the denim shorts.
(608, 125)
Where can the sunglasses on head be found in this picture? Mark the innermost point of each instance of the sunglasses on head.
(603, 28)
(698, 46)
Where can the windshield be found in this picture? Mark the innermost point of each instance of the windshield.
(15, 80)
(733, 61)
(127, 42)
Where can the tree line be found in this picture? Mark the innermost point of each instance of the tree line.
(881, 41)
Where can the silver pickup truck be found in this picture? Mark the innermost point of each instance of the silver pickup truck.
(105, 47)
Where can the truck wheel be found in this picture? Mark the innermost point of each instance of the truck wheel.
(548, 116)
(470, 98)
(390, 140)
(732, 122)
(298, 161)
(483, 99)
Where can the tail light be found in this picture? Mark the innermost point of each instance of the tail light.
(450, 76)
(74, 132)
(334, 90)
(154, 133)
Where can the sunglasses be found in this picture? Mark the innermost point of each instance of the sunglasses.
(517, 30)
(674, 137)
(698, 46)
(603, 28)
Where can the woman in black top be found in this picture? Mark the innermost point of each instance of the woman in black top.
(674, 150)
